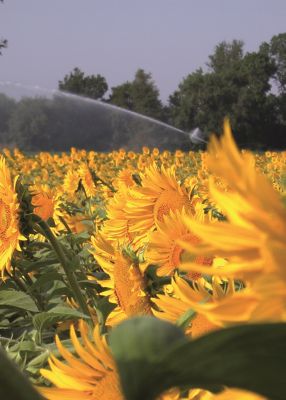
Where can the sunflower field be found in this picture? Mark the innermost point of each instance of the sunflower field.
(143, 276)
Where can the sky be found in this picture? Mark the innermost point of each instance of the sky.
(169, 38)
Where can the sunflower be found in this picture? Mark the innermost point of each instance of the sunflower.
(117, 225)
(124, 178)
(215, 303)
(92, 374)
(163, 249)
(71, 182)
(87, 180)
(9, 213)
(46, 202)
(158, 194)
(253, 237)
(126, 283)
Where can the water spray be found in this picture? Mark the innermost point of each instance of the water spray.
(196, 136)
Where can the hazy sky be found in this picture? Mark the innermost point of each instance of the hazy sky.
(169, 38)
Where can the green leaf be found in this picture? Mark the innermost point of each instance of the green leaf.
(24, 345)
(103, 309)
(16, 299)
(137, 345)
(37, 362)
(36, 265)
(59, 313)
(152, 357)
(46, 278)
(13, 384)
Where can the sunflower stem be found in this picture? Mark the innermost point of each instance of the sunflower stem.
(21, 285)
(63, 221)
(65, 224)
(43, 228)
(96, 178)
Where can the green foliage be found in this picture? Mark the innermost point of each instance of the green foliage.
(237, 85)
(13, 384)
(153, 356)
(7, 106)
(34, 307)
(17, 300)
(93, 86)
(226, 56)
(249, 88)
(59, 313)
(28, 125)
(276, 49)
(141, 95)
(122, 96)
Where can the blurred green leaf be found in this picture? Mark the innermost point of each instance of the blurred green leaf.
(137, 345)
(13, 384)
(153, 356)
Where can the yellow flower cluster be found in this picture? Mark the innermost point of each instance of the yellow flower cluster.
(169, 232)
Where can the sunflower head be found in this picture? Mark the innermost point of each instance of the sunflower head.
(165, 251)
(87, 180)
(10, 234)
(159, 194)
(90, 374)
(126, 286)
(124, 178)
(44, 201)
(71, 182)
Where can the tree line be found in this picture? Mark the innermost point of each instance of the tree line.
(248, 87)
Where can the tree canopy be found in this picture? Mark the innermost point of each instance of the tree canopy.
(141, 95)
(237, 85)
(93, 86)
(248, 87)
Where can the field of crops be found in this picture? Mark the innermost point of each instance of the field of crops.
(151, 275)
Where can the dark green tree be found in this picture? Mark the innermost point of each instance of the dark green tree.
(146, 95)
(7, 106)
(122, 96)
(29, 124)
(276, 49)
(93, 86)
(236, 85)
(141, 95)
(226, 55)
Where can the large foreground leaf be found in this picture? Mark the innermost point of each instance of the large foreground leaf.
(13, 384)
(152, 356)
